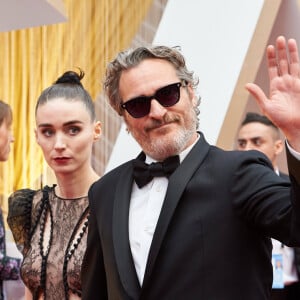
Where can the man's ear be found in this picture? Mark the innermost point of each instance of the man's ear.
(192, 95)
(278, 146)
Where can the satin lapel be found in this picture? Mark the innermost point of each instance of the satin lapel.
(177, 184)
(121, 236)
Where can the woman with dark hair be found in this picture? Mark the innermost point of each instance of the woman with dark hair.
(50, 225)
(9, 266)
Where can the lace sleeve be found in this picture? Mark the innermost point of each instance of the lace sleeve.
(19, 217)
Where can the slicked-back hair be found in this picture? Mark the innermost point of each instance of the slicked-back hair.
(131, 58)
(69, 87)
(252, 117)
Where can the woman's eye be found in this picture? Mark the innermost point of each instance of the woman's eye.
(74, 130)
(47, 132)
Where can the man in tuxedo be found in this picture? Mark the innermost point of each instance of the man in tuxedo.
(187, 220)
(257, 132)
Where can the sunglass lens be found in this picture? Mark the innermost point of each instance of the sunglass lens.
(139, 107)
(168, 95)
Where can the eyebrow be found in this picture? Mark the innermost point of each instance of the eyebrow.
(65, 124)
(252, 138)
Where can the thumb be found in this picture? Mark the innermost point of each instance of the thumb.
(257, 93)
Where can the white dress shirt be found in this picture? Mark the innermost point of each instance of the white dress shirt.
(144, 210)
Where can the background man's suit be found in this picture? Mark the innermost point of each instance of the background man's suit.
(292, 289)
(210, 241)
(296, 250)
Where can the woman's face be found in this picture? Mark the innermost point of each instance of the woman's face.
(6, 137)
(66, 133)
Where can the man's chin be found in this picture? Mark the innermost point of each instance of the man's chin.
(163, 130)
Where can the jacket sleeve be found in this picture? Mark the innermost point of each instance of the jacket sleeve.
(267, 202)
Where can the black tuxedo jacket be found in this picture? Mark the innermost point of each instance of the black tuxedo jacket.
(212, 239)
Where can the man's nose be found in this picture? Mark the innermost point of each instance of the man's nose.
(156, 109)
(249, 146)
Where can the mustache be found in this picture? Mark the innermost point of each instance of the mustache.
(167, 119)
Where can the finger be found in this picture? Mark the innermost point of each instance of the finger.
(294, 57)
(283, 62)
(272, 62)
(258, 94)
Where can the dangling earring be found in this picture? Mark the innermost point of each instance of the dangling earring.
(128, 132)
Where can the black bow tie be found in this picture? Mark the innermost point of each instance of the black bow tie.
(144, 173)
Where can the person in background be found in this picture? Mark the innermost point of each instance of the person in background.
(188, 220)
(6, 136)
(257, 132)
(9, 266)
(50, 225)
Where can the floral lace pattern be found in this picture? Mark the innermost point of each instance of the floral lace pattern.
(66, 214)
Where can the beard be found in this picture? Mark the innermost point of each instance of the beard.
(169, 145)
(169, 142)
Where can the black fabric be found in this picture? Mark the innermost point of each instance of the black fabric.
(290, 292)
(144, 173)
(219, 211)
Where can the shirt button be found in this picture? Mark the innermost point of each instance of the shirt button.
(158, 188)
(149, 228)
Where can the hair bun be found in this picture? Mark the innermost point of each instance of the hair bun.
(71, 77)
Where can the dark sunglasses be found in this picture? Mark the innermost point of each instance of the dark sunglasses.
(166, 96)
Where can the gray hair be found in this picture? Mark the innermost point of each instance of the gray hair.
(131, 58)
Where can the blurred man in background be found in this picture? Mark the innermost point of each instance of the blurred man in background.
(257, 132)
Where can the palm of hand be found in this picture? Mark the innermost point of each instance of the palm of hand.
(284, 104)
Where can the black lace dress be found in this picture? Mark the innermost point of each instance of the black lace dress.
(51, 233)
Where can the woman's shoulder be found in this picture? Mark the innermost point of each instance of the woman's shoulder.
(20, 201)
(24, 200)
(23, 196)
(22, 205)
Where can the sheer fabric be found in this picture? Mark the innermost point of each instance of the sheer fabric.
(57, 233)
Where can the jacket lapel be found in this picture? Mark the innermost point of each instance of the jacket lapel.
(177, 184)
(122, 250)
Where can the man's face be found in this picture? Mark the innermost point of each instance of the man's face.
(257, 136)
(165, 131)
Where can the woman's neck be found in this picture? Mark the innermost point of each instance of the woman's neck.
(72, 187)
